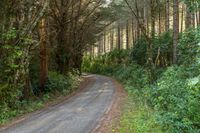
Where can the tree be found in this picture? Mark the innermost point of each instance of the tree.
(43, 54)
(167, 24)
(175, 29)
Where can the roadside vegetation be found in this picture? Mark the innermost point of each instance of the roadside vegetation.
(41, 48)
(57, 87)
(167, 101)
(151, 46)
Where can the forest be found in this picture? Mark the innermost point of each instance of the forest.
(151, 46)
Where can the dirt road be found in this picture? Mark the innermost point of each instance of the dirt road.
(79, 114)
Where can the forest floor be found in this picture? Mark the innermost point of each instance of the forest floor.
(93, 108)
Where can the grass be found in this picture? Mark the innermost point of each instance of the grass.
(136, 117)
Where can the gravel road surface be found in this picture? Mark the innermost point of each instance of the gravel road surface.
(79, 114)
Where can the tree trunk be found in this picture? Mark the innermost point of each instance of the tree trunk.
(182, 17)
(153, 18)
(159, 21)
(27, 88)
(197, 18)
(146, 16)
(104, 42)
(167, 24)
(111, 40)
(175, 29)
(188, 21)
(119, 38)
(133, 31)
(193, 19)
(43, 54)
(99, 45)
(127, 35)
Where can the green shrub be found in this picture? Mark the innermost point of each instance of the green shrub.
(189, 47)
(139, 51)
(9, 94)
(10, 69)
(134, 75)
(11, 106)
(171, 102)
(104, 64)
(161, 50)
(174, 100)
(61, 83)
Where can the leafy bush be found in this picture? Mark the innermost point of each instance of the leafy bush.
(134, 75)
(189, 51)
(57, 82)
(169, 104)
(161, 50)
(8, 95)
(10, 70)
(118, 57)
(139, 51)
(105, 63)
(61, 83)
(176, 102)
(12, 106)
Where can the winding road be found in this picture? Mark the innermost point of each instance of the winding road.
(79, 114)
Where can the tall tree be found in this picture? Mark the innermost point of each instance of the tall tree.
(175, 29)
(127, 35)
(43, 54)
(119, 37)
(167, 15)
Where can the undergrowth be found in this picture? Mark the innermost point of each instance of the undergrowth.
(58, 86)
(169, 104)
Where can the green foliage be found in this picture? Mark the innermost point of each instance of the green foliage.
(8, 95)
(164, 42)
(169, 104)
(57, 81)
(10, 57)
(105, 63)
(21, 107)
(189, 50)
(61, 83)
(176, 102)
(11, 105)
(10, 66)
(134, 75)
(192, 5)
(161, 50)
(137, 118)
(139, 49)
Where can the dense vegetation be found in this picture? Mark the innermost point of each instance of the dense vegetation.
(168, 104)
(41, 47)
(14, 105)
(151, 46)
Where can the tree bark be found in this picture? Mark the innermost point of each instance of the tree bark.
(175, 29)
(111, 39)
(188, 22)
(119, 37)
(43, 54)
(182, 17)
(167, 24)
(127, 35)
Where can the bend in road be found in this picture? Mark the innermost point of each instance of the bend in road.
(79, 114)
